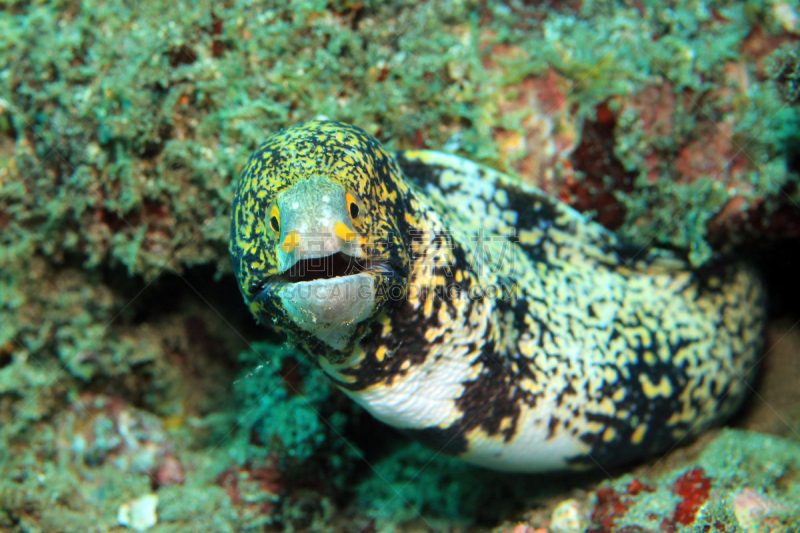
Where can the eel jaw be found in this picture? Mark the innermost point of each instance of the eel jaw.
(327, 296)
(330, 309)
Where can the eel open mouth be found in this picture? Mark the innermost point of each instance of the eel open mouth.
(328, 296)
(331, 266)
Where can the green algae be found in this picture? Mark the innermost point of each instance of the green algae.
(198, 508)
(412, 482)
(49, 493)
(717, 517)
(769, 465)
(761, 461)
(287, 409)
(135, 127)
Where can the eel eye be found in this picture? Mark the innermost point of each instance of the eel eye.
(275, 218)
(354, 207)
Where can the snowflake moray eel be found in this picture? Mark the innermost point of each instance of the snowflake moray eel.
(480, 316)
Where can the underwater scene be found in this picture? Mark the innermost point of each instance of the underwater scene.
(406, 266)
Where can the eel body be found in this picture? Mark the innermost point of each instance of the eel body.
(481, 316)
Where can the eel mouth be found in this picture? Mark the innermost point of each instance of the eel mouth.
(328, 296)
(336, 265)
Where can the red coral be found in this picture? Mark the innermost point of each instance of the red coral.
(610, 506)
(636, 486)
(603, 173)
(169, 472)
(263, 479)
(693, 487)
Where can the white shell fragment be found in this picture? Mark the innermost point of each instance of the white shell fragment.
(568, 517)
(139, 514)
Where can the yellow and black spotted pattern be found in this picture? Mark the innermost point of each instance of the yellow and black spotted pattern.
(509, 330)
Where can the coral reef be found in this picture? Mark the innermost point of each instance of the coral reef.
(125, 364)
(740, 482)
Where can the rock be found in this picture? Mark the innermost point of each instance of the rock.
(568, 517)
